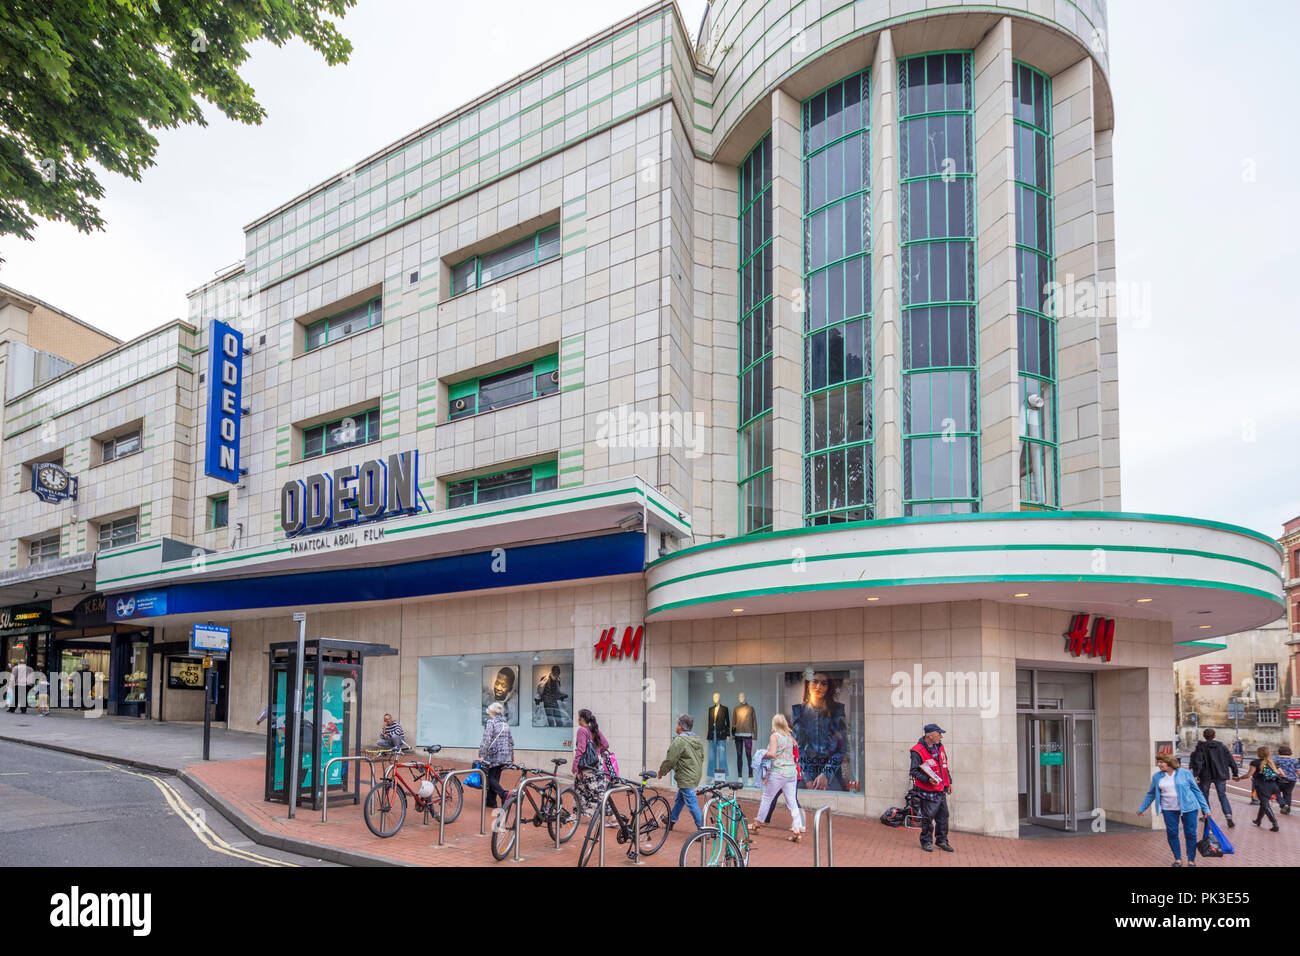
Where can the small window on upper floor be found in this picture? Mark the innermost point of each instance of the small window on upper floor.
(118, 532)
(501, 485)
(521, 384)
(43, 549)
(119, 445)
(517, 256)
(218, 512)
(359, 429)
(367, 315)
(1266, 678)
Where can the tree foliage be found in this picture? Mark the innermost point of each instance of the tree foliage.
(83, 82)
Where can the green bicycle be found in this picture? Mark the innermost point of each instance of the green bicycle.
(724, 840)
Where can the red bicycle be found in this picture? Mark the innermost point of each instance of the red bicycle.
(385, 806)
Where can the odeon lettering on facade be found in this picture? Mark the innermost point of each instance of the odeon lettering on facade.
(842, 266)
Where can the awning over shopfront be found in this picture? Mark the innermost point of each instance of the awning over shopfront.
(49, 580)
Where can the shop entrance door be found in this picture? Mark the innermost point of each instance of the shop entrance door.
(1059, 769)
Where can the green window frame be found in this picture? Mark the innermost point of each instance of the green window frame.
(502, 485)
(218, 512)
(513, 386)
(1035, 280)
(119, 532)
(940, 360)
(477, 271)
(755, 339)
(346, 432)
(367, 315)
(837, 414)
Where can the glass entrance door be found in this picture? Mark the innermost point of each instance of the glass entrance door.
(1051, 771)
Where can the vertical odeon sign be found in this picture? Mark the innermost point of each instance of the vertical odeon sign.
(225, 391)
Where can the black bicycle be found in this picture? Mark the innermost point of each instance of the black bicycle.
(552, 805)
(652, 824)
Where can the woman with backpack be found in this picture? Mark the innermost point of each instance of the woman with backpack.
(1263, 776)
(593, 763)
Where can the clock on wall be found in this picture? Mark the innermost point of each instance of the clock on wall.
(52, 483)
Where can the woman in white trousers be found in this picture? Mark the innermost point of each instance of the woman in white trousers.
(784, 777)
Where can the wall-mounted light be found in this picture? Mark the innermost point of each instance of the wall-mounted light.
(1145, 600)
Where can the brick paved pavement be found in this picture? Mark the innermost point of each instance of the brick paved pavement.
(858, 842)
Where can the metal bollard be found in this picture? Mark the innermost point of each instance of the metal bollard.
(325, 799)
(817, 837)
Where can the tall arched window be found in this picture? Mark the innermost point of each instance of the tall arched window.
(755, 334)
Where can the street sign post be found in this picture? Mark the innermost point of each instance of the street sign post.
(293, 769)
(209, 640)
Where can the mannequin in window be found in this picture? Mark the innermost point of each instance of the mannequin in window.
(746, 723)
(719, 731)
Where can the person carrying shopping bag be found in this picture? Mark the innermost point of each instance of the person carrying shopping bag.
(496, 750)
(784, 777)
(1180, 798)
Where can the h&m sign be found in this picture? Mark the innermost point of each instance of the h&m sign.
(225, 392)
(376, 489)
(1097, 644)
(630, 647)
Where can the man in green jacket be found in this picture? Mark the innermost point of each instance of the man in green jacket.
(686, 760)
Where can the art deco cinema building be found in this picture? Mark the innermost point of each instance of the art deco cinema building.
(836, 249)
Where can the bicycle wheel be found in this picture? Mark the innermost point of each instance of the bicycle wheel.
(653, 825)
(385, 808)
(589, 841)
(503, 828)
(565, 815)
(711, 847)
(455, 797)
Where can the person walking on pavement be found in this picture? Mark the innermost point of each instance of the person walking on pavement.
(21, 677)
(1263, 775)
(1180, 799)
(784, 777)
(43, 694)
(685, 761)
(591, 772)
(496, 749)
(1211, 764)
(1285, 783)
(931, 779)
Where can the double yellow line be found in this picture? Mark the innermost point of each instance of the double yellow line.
(194, 819)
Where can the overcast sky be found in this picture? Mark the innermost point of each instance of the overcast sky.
(1206, 210)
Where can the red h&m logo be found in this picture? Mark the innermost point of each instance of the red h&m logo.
(631, 646)
(1097, 644)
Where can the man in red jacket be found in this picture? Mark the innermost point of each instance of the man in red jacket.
(932, 781)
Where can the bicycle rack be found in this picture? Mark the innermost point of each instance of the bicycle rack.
(325, 804)
(704, 813)
(817, 837)
(519, 811)
(442, 808)
(636, 820)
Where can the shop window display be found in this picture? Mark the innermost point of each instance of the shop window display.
(733, 708)
(535, 687)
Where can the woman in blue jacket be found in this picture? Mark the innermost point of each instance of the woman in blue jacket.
(1179, 797)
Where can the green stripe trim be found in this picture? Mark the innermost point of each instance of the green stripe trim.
(965, 579)
(963, 549)
(981, 516)
(122, 554)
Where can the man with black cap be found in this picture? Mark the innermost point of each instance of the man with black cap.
(932, 782)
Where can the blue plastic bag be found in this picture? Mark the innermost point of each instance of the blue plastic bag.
(1218, 835)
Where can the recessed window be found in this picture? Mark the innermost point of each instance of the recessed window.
(1267, 717)
(516, 257)
(502, 485)
(118, 532)
(125, 444)
(350, 430)
(510, 387)
(218, 512)
(43, 549)
(1266, 678)
(354, 320)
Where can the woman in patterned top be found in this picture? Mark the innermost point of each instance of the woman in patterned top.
(1263, 776)
(1286, 782)
(590, 784)
(782, 779)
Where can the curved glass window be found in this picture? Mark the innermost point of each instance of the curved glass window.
(1035, 319)
(937, 230)
(755, 414)
(837, 474)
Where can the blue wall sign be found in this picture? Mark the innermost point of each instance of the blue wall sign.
(205, 638)
(225, 394)
(52, 483)
(124, 607)
(344, 496)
